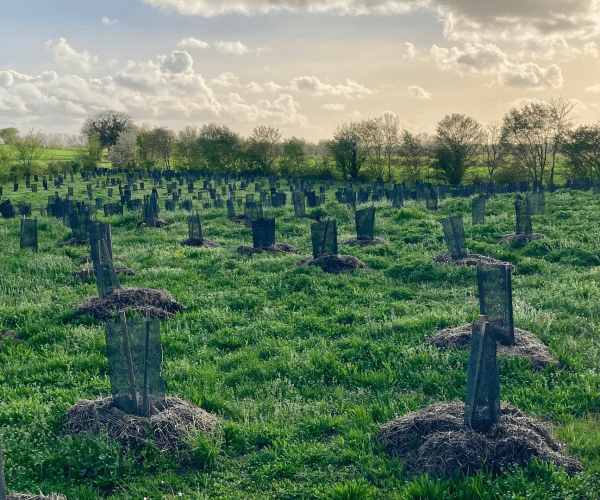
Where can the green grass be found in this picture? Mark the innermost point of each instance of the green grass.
(302, 367)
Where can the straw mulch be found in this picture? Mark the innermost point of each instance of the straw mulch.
(435, 440)
(88, 272)
(522, 237)
(74, 242)
(158, 303)
(196, 243)
(157, 223)
(363, 243)
(527, 345)
(168, 427)
(275, 248)
(472, 259)
(335, 264)
(28, 496)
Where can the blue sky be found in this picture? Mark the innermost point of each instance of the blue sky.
(304, 66)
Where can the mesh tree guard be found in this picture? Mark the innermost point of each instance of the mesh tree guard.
(479, 210)
(7, 210)
(79, 223)
(263, 233)
(134, 352)
(150, 210)
(431, 199)
(101, 254)
(495, 301)
(230, 209)
(537, 202)
(523, 215)
(29, 234)
(298, 201)
(195, 229)
(454, 234)
(482, 402)
(324, 237)
(365, 223)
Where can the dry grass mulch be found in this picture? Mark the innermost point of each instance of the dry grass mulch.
(168, 427)
(335, 264)
(196, 243)
(472, 259)
(527, 345)
(158, 303)
(88, 272)
(39, 496)
(238, 218)
(520, 237)
(73, 242)
(275, 248)
(157, 223)
(363, 243)
(435, 440)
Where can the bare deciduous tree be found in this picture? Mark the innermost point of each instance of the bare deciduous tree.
(494, 152)
(390, 126)
(561, 109)
(414, 155)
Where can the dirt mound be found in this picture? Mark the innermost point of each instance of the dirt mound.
(88, 272)
(168, 427)
(74, 242)
(522, 237)
(28, 496)
(157, 223)
(363, 243)
(435, 440)
(196, 243)
(335, 264)
(472, 259)
(159, 303)
(527, 345)
(276, 248)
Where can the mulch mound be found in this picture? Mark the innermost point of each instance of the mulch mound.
(28, 496)
(335, 264)
(89, 272)
(435, 440)
(158, 303)
(168, 427)
(527, 345)
(73, 242)
(472, 259)
(238, 218)
(196, 243)
(157, 223)
(363, 243)
(275, 248)
(522, 237)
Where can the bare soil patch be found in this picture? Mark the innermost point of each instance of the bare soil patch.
(157, 223)
(276, 248)
(168, 427)
(363, 243)
(527, 345)
(335, 264)
(435, 440)
(158, 303)
(472, 259)
(196, 243)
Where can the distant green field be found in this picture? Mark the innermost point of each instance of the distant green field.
(301, 366)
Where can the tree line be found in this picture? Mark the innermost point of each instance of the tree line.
(532, 142)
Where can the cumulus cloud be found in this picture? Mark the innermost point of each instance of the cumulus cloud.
(254, 87)
(226, 79)
(333, 107)
(237, 48)
(411, 51)
(488, 59)
(68, 56)
(595, 89)
(314, 86)
(192, 43)
(106, 21)
(418, 93)
(272, 87)
(211, 8)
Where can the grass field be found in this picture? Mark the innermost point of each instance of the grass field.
(302, 367)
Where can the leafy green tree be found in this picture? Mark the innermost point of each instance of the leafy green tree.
(162, 144)
(220, 148)
(28, 152)
(414, 155)
(458, 140)
(144, 152)
(10, 135)
(348, 149)
(107, 125)
(123, 154)
(582, 150)
(262, 148)
(187, 152)
(294, 160)
(6, 161)
(90, 156)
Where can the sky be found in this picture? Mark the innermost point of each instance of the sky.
(304, 66)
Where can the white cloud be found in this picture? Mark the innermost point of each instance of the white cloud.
(595, 89)
(254, 87)
(488, 59)
(411, 51)
(192, 43)
(418, 93)
(177, 62)
(210, 8)
(66, 55)
(333, 107)
(237, 48)
(272, 87)
(314, 86)
(226, 80)
(107, 22)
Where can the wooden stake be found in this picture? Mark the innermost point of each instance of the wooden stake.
(127, 350)
(145, 403)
